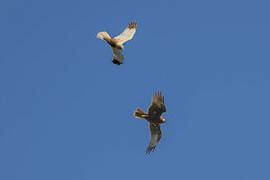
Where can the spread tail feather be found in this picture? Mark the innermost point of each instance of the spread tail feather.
(103, 35)
(140, 114)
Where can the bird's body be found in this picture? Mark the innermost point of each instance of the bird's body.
(113, 43)
(117, 42)
(154, 118)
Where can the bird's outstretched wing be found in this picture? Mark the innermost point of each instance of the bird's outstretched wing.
(117, 56)
(157, 107)
(155, 133)
(127, 34)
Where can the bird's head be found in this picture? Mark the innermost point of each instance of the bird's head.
(163, 120)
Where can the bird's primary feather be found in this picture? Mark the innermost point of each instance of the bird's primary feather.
(116, 43)
(155, 135)
(154, 118)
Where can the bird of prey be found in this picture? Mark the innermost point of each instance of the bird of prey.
(154, 118)
(117, 42)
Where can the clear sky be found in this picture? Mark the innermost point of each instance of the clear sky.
(66, 112)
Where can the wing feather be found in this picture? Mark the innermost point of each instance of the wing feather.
(127, 34)
(155, 133)
(157, 107)
(117, 56)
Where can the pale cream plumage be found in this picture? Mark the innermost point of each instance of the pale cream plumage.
(117, 42)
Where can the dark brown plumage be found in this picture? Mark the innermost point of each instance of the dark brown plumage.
(154, 118)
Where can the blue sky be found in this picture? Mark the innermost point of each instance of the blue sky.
(67, 111)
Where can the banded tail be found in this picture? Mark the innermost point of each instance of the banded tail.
(140, 114)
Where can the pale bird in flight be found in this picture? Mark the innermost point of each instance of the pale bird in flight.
(117, 42)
